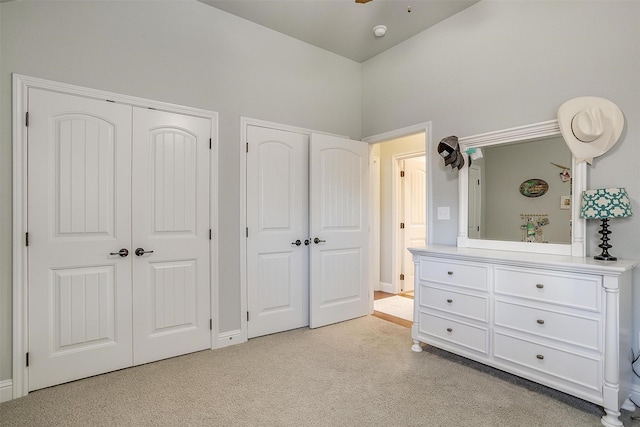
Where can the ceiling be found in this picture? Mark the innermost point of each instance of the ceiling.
(344, 26)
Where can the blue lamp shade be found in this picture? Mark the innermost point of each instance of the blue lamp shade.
(605, 203)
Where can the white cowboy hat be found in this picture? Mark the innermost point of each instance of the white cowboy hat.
(590, 126)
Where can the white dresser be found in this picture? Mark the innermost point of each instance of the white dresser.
(561, 321)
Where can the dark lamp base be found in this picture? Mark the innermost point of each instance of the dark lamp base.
(605, 246)
(605, 257)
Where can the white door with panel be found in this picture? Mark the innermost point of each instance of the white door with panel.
(170, 216)
(287, 190)
(277, 219)
(339, 225)
(413, 214)
(475, 203)
(79, 208)
(88, 292)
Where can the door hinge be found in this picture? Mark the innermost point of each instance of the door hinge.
(478, 182)
(247, 231)
(209, 234)
(211, 324)
(247, 147)
(26, 239)
(27, 359)
(402, 276)
(402, 225)
(401, 174)
(478, 228)
(247, 316)
(26, 119)
(209, 143)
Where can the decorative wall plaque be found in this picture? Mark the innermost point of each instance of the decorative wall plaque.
(534, 187)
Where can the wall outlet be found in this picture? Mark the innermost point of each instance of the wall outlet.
(443, 213)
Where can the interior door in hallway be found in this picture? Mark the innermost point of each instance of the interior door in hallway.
(339, 225)
(170, 236)
(277, 220)
(413, 214)
(79, 195)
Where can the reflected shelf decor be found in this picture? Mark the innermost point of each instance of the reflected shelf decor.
(605, 203)
(532, 227)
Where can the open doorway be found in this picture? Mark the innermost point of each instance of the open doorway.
(399, 220)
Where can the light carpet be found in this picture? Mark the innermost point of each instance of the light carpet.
(395, 306)
(356, 373)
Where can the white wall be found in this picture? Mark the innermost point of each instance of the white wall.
(501, 64)
(181, 52)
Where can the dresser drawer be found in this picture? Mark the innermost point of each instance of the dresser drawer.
(575, 290)
(569, 328)
(471, 306)
(465, 275)
(575, 368)
(458, 333)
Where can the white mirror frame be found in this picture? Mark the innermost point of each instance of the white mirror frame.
(579, 180)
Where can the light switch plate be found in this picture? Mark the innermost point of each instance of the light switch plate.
(443, 213)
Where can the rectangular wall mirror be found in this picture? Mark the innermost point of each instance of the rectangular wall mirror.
(523, 194)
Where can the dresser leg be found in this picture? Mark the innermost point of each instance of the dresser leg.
(611, 419)
(416, 346)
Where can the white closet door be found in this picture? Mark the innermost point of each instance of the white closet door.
(414, 214)
(277, 218)
(339, 229)
(79, 156)
(170, 217)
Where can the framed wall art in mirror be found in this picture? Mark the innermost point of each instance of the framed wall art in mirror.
(495, 213)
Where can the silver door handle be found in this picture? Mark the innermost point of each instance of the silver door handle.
(140, 252)
(122, 252)
(297, 242)
(316, 241)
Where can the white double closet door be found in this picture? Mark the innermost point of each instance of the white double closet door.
(118, 221)
(308, 233)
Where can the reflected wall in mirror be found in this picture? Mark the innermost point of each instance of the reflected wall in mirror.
(497, 208)
(493, 212)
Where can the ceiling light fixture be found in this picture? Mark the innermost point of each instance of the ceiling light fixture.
(380, 30)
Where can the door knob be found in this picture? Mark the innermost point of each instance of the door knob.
(140, 252)
(122, 252)
(316, 241)
(307, 242)
(297, 242)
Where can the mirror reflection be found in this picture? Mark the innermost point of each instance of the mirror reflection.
(521, 192)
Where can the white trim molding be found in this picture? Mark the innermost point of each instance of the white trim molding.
(21, 85)
(6, 390)
(227, 339)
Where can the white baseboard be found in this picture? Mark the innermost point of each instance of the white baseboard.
(387, 287)
(6, 390)
(225, 339)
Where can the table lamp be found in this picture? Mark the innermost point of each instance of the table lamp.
(603, 204)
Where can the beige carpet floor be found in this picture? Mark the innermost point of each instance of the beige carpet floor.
(356, 373)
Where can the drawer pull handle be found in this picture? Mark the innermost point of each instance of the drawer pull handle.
(540, 356)
(450, 273)
(540, 322)
(539, 286)
(449, 301)
(449, 330)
